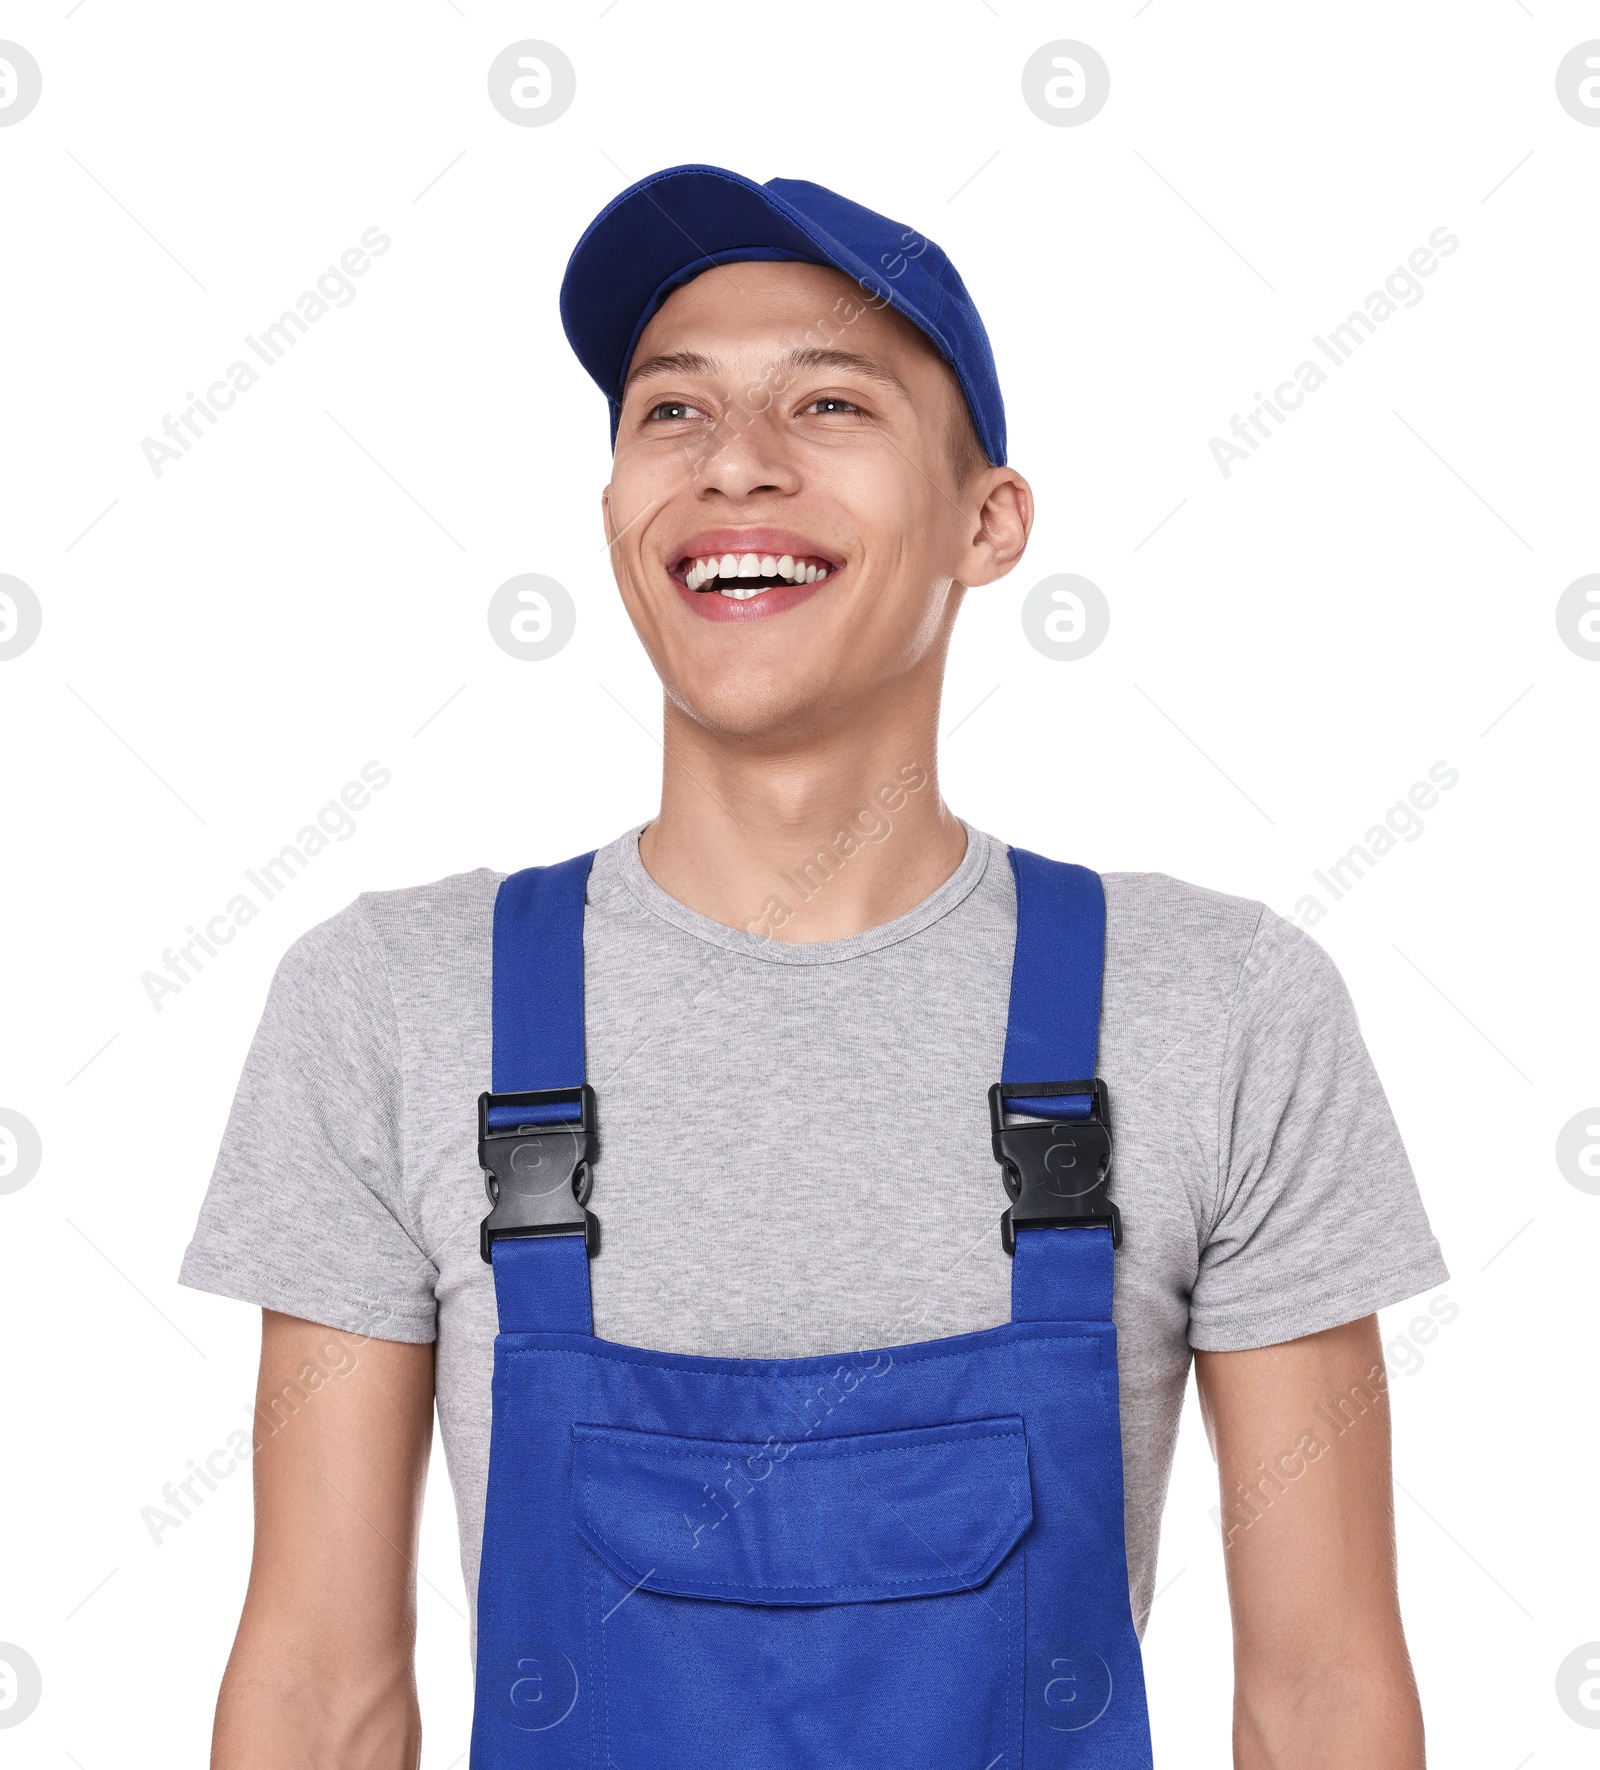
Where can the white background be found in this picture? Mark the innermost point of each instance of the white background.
(225, 645)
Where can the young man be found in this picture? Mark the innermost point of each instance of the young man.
(794, 990)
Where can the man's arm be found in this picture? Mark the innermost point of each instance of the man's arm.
(1322, 1679)
(321, 1674)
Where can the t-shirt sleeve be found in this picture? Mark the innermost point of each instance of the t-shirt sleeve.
(1318, 1218)
(306, 1212)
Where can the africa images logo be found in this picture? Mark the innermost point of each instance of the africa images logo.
(1066, 617)
(1401, 288)
(1065, 83)
(1578, 83)
(21, 1151)
(182, 963)
(334, 288)
(531, 617)
(20, 617)
(20, 83)
(531, 83)
(20, 1684)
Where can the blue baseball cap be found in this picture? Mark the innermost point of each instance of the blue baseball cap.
(671, 226)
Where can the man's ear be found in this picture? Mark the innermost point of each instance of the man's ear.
(1004, 522)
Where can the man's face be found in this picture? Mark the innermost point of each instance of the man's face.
(788, 529)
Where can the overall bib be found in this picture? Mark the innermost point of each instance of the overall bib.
(908, 1559)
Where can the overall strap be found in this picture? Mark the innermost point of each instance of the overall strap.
(541, 1256)
(1053, 1038)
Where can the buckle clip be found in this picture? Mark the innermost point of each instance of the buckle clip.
(1055, 1170)
(536, 1171)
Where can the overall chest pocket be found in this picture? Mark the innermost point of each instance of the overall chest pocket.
(835, 1602)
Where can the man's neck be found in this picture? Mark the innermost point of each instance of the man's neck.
(813, 840)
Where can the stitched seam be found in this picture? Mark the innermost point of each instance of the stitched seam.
(775, 954)
(226, 1266)
(620, 1435)
(905, 1579)
(1018, 1634)
(403, 1103)
(605, 1656)
(1219, 1188)
(1333, 1299)
(689, 1370)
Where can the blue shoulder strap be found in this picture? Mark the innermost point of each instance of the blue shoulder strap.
(1053, 1035)
(1053, 1029)
(538, 979)
(541, 1282)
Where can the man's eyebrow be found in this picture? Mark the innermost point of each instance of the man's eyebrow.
(816, 357)
(673, 362)
(694, 362)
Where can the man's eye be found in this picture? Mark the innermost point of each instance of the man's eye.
(828, 403)
(672, 410)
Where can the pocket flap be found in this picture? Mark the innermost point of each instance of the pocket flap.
(826, 1521)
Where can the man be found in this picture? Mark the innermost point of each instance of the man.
(793, 997)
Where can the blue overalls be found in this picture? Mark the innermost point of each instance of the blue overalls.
(908, 1559)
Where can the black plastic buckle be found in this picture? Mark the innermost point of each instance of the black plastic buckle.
(1055, 1170)
(537, 1176)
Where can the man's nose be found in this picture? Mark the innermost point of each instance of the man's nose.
(746, 454)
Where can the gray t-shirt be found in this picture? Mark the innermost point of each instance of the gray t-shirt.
(795, 1139)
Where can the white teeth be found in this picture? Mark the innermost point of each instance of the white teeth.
(734, 566)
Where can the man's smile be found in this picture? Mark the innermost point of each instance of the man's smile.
(740, 577)
(737, 573)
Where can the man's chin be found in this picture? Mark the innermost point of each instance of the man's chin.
(758, 708)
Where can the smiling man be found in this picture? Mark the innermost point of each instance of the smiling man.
(792, 1381)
